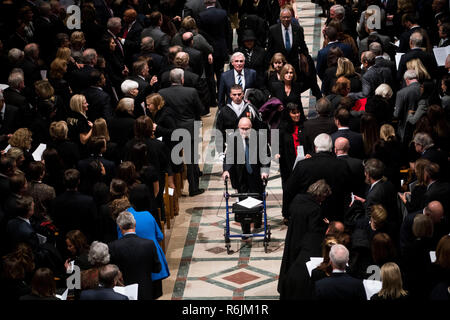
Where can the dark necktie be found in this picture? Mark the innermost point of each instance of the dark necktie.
(240, 79)
(288, 40)
(248, 166)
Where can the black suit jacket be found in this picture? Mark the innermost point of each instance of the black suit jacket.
(322, 165)
(340, 286)
(314, 127)
(384, 193)
(99, 103)
(18, 230)
(438, 191)
(101, 294)
(184, 101)
(215, 24)
(191, 79)
(73, 210)
(294, 96)
(18, 99)
(355, 140)
(195, 60)
(357, 170)
(137, 259)
(276, 44)
(81, 78)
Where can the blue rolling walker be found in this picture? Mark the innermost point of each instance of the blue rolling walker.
(246, 215)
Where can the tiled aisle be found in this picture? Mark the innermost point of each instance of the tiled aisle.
(199, 264)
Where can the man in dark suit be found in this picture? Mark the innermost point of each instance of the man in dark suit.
(140, 74)
(73, 210)
(425, 146)
(157, 62)
(8, 121)
(99, 101)
(244, 77)
(162, 40)
(103, 10)
(330, 34)
(80, 78)
(290, 46)
(214, 23)
(341, 148)
(405, 101)
(371, 78)
(186, 104)
(243, 165)
(108, 278)
(381, 62)
(416, 52)
(181, 61)
(411, 24)
(131, 34)
(322, 124)
(340, 286)
(321, 165)
(136, 257)
(19, 228)
(381, 191)
(195, 56)
(437, 189)
(30, 64)
(14, 95)
(342, 120)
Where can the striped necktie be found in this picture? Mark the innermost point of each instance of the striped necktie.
(239, 79)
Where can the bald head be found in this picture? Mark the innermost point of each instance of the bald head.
(245, 122)
(341, 146)
(435, 211)
(187, 36)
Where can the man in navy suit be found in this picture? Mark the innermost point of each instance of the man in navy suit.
(108, 278)
(340, 286)
(331, 34)
(342, 120)
(245, 77)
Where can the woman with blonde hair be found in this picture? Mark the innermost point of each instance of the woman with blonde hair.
(57, 72)
(345, 68)
(80, 128)
(100, 128)
(392, 284)
(421, 71)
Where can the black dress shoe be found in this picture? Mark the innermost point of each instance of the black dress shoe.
(196, 193)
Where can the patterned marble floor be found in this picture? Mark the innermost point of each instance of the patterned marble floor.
(199, 264)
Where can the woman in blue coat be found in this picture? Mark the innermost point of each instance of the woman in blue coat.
(147, 228)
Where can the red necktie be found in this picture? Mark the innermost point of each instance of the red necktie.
(125, 33)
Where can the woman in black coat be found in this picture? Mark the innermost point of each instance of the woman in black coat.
(291, 138)
(288, 90)
(121, 124)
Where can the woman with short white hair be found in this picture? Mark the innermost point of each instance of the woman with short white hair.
(130, 88)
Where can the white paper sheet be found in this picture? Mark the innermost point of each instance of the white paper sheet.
(37, 154)
(171, 190)
(398, 56)
(42, 239)
(313, 263)
(44, 74)
(441, 55)
(130, 291)
(7, 148)
(250, 202)
(433, 256)
(300, 155)
(372, 287)
(63, 296)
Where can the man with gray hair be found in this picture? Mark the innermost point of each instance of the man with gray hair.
(372, 77)
(30, 64)
(406, 102)
(425, 146)
(15, 95)
(340, 285)
(187, 106)
(416, 43)
(81, 78)
(136, 257)
(244, 77)
(162, 40)
(321, 165)
(148, 51)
